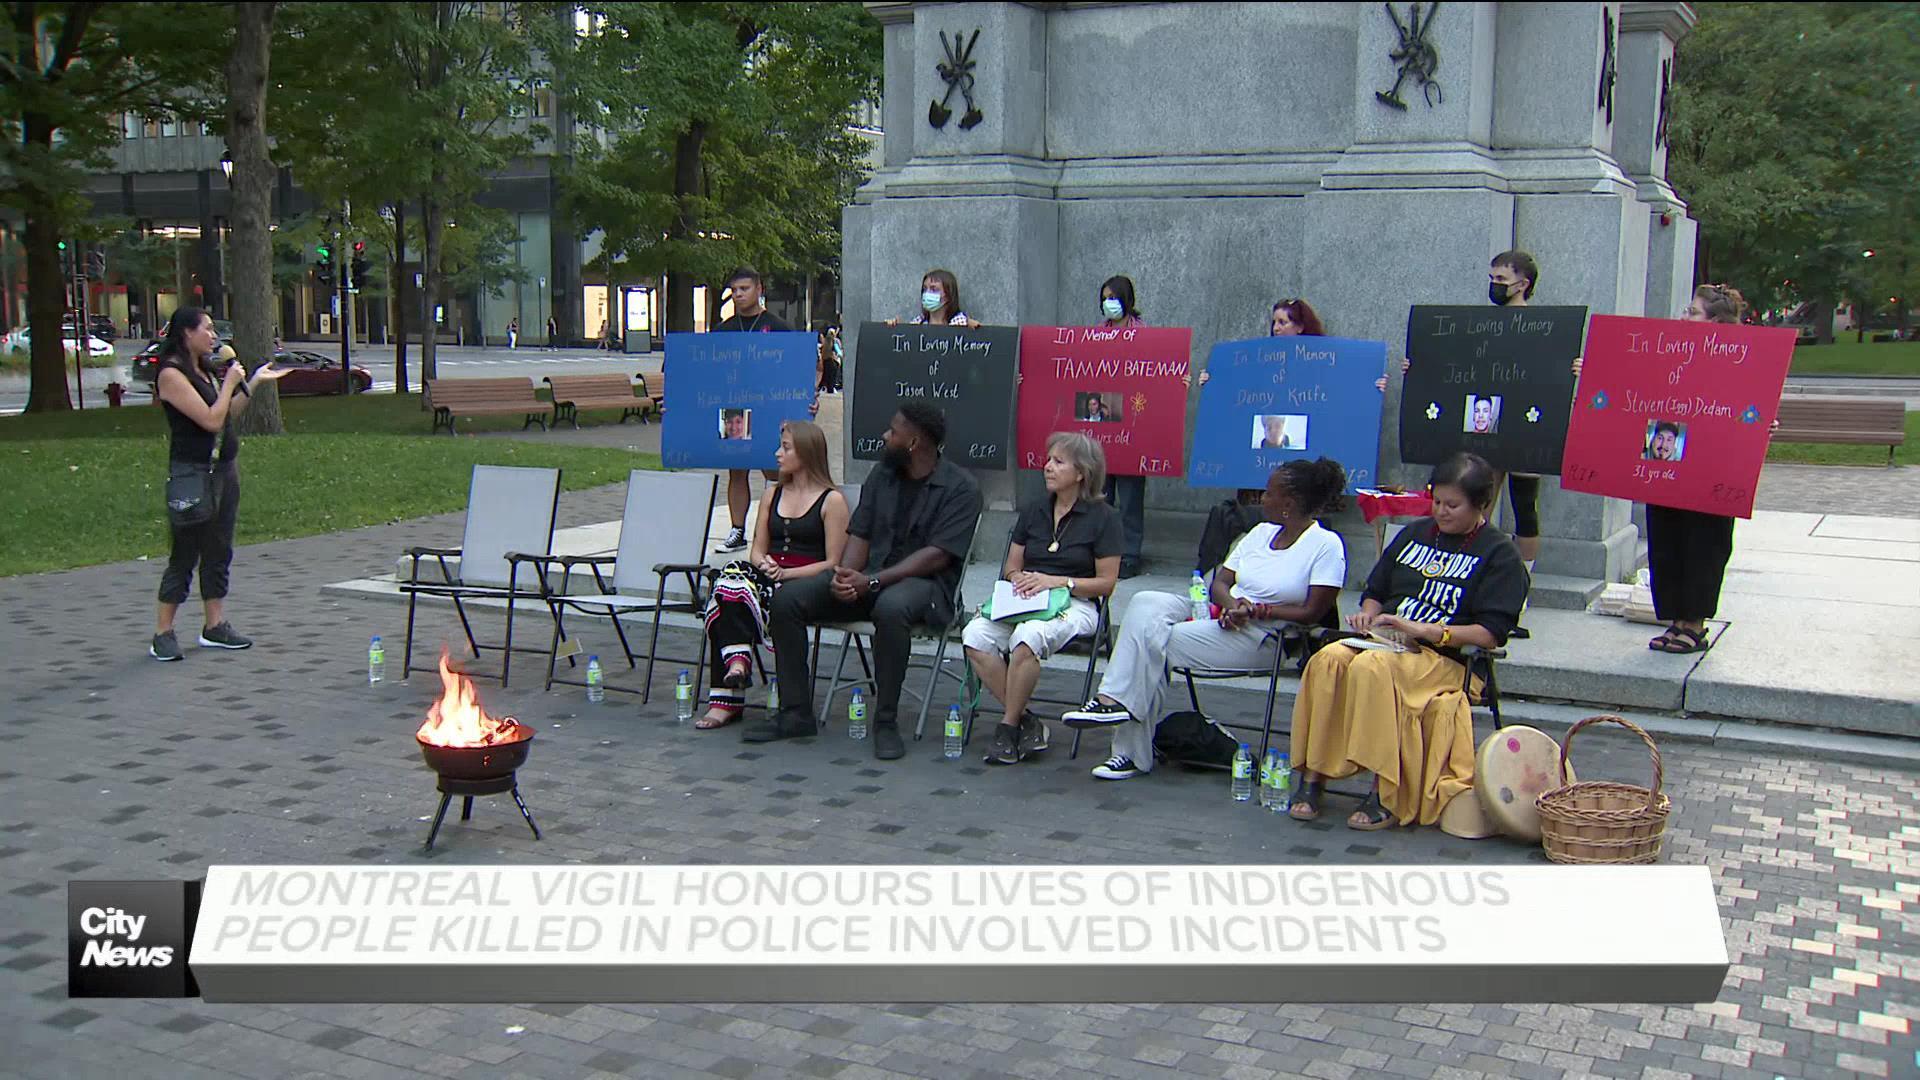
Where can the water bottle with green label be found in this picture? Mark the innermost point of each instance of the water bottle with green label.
(1267, 766)
(1243, 774)
(773, 695)
(1197, 597)
(376, 662)
(1282, 786)
(596, 693)
(956, 733)
(683, 698)
(857, 716)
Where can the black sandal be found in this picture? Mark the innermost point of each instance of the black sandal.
(1679, 641)
(1304, 802)
(1371, 816)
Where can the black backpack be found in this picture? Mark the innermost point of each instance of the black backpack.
(1227, 522)
(1190, 738)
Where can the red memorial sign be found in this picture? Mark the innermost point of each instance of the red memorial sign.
(1676, 413)
(1121, 386)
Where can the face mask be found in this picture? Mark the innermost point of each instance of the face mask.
(931, 300)
(1112, 308)
(1497, 292)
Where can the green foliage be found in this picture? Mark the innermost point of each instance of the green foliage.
(719, 130)
(1795, 136)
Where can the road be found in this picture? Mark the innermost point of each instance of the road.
(454, 362)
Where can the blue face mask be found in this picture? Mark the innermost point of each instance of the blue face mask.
(931, 300)
(1112, 308)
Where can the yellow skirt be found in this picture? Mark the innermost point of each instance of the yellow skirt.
(1401, 716)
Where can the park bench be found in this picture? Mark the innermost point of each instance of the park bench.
(571, 393)
(654, 389)
(1820, 418)
(451, 398)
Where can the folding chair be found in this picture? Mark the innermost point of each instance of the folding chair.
(663, 542)
(509, 510)
(1101, 644)
(851, 634)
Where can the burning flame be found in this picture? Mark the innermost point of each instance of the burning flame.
(458, 720)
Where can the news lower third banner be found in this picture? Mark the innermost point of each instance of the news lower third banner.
(913, 934)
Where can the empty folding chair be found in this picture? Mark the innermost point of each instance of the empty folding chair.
(510, 511)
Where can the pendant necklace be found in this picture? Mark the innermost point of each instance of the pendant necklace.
(1057, 526)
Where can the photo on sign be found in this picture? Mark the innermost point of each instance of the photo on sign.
(1482, 415)
(736, 424)
(1281, 432)
(1099, 408)
(1666, 441)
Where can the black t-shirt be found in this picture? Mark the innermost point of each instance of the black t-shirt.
(906, 500)
(898, 517)
(1090, 531)
(764, 323)
(1429, 577)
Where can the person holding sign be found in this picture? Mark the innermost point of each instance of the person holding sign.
(940, 300)
(750, 315)
(1444, 582)
(1066, 548)
(800, 532)
(903, 557)
(1687, 550)
(1128, 494)
(1286, 569)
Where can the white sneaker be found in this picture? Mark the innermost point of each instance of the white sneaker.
(1117, 767)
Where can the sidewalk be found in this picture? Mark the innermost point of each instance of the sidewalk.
(120, 768)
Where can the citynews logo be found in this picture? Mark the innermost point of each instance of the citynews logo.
(131, 938)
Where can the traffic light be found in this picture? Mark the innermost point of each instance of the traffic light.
(359, 279)
(323, 263)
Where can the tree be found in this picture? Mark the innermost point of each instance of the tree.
(67, 74)
(253, 175)
(1794, 138)
(720, 133)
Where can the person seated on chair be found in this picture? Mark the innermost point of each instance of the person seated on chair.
(905, 546)
(1069, 540)
(800, 532)
(1286, 569)
(1444, 582)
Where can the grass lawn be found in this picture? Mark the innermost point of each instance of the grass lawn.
(85, 487)
(1908, 453)
(1850, 358)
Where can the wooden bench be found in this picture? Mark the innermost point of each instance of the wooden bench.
(1821, 418)
(654, 389)
(451, 398)
(571, 393)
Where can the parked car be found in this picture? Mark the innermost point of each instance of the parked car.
(145, 364)
(20, 343)
(311, 373)
(102, 327)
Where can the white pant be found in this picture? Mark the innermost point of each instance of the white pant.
(1042, 637)
(1159, 634)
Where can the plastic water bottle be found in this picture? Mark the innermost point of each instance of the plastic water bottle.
(773, 695)
(1282, 786)
(683, 698)
(857, 716)
(956, 733)
(595, 692)
(1197, 595)
(1267, 766)
(1242, 774)
(376, 662)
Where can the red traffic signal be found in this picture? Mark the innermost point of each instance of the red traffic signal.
(359, 247)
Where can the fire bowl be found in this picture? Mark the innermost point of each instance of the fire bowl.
(477, 762)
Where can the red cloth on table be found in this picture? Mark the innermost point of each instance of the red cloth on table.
(1388, 504)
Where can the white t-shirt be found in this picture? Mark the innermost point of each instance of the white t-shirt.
(1266, 576)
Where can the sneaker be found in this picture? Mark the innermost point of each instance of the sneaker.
(1117, 767)
(165, 647)
(1033, 734)
(1006, 746)
(735, 540)
(1096, 713)
(782, 725)
(223, 637)
(887, 744)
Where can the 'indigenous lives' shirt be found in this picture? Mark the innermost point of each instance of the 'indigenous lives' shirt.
(1428, 576)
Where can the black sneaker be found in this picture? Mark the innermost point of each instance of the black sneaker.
(1006, 746)
(782, 725)
(735, 540)
(1117, 767)
(223, 637)
(887, 744)
(1033, 734)
(1096, 713)
(165, 647)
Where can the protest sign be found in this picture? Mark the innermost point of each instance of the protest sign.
(1270, 400)
(731, 393)
(1494, 381)
(1676, 413)
(1120, 386)
(964, 371)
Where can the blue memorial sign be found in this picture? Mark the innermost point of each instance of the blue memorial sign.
(1270, 400)
(731, 393)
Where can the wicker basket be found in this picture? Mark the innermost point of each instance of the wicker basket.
(1599, 821)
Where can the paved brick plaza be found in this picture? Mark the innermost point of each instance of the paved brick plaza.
(122, 768)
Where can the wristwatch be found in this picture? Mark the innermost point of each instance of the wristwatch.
(873, 585)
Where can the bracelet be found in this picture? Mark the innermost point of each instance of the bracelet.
(1446, 636)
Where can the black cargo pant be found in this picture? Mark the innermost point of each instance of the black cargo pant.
(799, 605)
(209, 546)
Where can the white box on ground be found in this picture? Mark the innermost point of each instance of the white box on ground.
(960, 933)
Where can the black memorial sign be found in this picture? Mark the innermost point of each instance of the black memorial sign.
(1497, 381)
(966, 372)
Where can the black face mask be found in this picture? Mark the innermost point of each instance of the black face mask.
(1498, 293)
